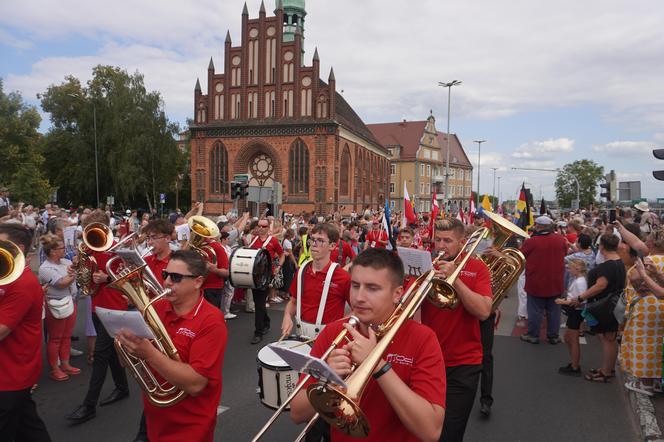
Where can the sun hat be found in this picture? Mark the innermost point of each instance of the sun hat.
(642, 206)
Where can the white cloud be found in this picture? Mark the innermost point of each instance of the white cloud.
(12, 41)
(624, 147)
(543, 149)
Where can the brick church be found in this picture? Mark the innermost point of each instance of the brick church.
(271, 117)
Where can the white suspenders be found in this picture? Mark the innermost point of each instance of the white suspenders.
(304, 328)
(267, 241)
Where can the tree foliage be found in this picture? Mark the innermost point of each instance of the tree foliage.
(589, 175)
(20, 145)
(137, 154)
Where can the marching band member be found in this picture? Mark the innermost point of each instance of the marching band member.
(405, 399)
(376, 237)
(213, 288)
(320, 290)
(458, 330)
(199, 333)
(105, 355)
(21, 304)
(264, 241)
(343, 254)
(158, 234)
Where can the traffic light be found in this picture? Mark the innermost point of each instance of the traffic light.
(610, 186)
(243, 190)
(234, 190)
(658, 174)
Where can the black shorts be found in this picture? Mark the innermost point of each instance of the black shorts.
(574, 319)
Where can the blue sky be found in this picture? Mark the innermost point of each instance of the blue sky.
(545, 83)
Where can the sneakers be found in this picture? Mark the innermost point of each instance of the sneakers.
(530, 339)
(554, 340)
(639, 387)
(276, 300)
(229, 316)
(568, 370)
(75, 352)
(250, 310)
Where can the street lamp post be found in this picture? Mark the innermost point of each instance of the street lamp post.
(94, 123)
(479, 152)
(447, 156)
(499, 199)
(494, 182)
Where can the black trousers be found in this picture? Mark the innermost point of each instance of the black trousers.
(19, 420)
(261, 319)
(461, 388)
(105, 357)
(486, 379)
(213, 296)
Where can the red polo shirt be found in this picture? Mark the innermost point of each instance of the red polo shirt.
(200, 337)
(545, 264)
(457, 330)
(273, 247)
(375, 235)
(416, 359)
(21, 306)
(214, 281)
(157, 265)
(107, 297)
(347, 253)
(337, 297)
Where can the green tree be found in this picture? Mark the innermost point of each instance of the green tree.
(20, 145)
(137, 154)
(588, 173)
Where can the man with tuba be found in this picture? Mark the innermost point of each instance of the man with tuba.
(21, 304)
(105, 355)
(404, 399)
(320, 290)
(458, 329)
(199, 334)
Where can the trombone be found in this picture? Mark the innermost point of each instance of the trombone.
(340, 337)
(340, 407)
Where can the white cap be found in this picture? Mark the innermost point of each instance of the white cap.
(223, 219)
(543, 220)
(128, 212)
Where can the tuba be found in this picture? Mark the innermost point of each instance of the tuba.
(202, 228)
(12, 262)
(97, 237)
(130, 281)
(340, 407)
(504, 269)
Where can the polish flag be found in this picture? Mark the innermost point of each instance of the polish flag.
(435, 211)
(409, 212)
(460, 216)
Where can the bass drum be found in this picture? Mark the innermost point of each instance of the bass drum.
(250, 268)
(276, 379)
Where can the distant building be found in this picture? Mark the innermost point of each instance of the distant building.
(271, 117)
(418, 152)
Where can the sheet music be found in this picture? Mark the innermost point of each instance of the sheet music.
(132, 320)
(415, 262)
(311, 365)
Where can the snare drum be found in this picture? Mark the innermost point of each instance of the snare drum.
(250, 268)
(276, 380)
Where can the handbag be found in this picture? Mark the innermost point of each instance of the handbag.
(61, 308)
(603, 309)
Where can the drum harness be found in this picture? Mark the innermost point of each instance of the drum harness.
(307, 329)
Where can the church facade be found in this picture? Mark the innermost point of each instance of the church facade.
(270, 118)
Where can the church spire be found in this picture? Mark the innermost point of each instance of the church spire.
(198, 86)
(211, 65)
(245, 10)
(228, 36)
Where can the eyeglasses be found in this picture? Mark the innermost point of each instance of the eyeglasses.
(155, 237)
(262, 226)
(319, 241)
(175, 277)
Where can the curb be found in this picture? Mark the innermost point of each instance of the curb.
(644, 410)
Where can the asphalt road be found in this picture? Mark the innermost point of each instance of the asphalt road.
(532, 402)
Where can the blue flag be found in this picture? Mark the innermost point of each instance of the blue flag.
(387, 225)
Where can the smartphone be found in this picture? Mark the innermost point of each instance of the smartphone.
(612, 215)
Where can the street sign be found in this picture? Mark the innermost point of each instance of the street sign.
(162, 198)
(575, 204)
(241, 178)
(110, 200)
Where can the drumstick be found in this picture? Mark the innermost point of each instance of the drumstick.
(282, 337)
(303, 343)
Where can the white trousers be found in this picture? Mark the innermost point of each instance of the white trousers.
(522, 310)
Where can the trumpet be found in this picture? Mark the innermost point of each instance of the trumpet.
(12, 262)
(340, 407)
(340, 337)
(202, 229)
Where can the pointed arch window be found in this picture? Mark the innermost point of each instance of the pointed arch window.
(344, 172)
(298, 168)
(218, 169)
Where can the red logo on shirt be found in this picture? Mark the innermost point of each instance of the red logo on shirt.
(394, 358)
(185, 331)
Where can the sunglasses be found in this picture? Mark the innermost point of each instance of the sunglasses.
(175, 277)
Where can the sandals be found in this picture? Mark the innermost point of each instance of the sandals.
(639, 387)
(58, 375)
(71, 370)
(597, 376)
(598, 370)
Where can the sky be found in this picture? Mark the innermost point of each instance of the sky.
(545, 83)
